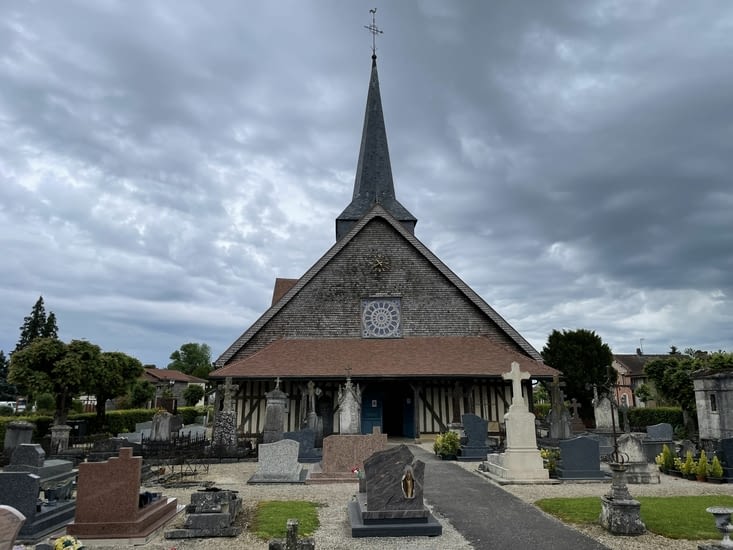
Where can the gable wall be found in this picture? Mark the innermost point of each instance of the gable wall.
(330, 305)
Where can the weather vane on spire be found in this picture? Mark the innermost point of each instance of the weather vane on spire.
(374, 30)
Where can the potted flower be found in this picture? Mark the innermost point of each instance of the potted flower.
(688, 466)
(67, 542)
(716, 471)
(677, 467)
(447, 445)
(701, 470)
(550, 458)
(665, 460)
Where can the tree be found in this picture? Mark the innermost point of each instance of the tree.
(584, 360)
(48, 364)
(7, 390)
(111, 377)
(672, 375)
(193, 359)
(142, 393)
(193, 394)
(37, 325)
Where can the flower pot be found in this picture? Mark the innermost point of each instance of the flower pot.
(716, 480)
(691, 477)
(701, 478)
(448, 457)
(675, 473)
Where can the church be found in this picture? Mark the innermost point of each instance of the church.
(381, 309)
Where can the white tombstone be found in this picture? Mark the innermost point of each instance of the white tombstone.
(161, 428)
(603, 410)
(349, 407)
(521, 462)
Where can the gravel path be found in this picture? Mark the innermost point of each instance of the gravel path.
(334, 533)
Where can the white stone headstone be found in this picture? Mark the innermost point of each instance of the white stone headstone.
(603, 410)
(349, 403)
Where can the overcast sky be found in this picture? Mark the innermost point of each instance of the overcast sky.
(161, 163)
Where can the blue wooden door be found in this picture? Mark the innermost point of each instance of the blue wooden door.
(371, 411)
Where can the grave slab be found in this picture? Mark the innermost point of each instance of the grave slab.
(278, 463)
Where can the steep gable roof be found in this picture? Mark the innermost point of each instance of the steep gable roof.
(160, 375)
(635, 362)
(434, 357)
(378, 211)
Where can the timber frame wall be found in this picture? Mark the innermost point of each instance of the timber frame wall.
(434, 400)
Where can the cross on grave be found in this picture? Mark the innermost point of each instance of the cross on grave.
(277, 383)
(575, 406)
(516, 376)
(229, 390)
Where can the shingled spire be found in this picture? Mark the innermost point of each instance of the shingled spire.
(373, 182)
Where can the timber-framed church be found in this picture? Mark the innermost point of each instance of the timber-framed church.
(379, 307)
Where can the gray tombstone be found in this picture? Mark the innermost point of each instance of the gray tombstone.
(475, 430)
(161, 428)
(393, 503)
(638, 470)
(21, 490)
(17, 433)
(603, 410)
(11, 521)
(307, 440)
(275, 415)
(211, 514)
(580, 459)
(725, 450)
(59, 438)
(28, 454)
(660, 432)
(278, 463)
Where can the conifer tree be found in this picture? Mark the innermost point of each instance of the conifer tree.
(37, 325)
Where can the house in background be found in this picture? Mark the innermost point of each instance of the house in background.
(631, 375)
(171, 383)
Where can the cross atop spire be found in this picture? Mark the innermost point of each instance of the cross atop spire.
(374, 30)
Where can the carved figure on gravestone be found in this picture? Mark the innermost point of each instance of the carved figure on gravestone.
(408, 483)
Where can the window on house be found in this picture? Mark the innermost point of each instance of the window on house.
(713, 403)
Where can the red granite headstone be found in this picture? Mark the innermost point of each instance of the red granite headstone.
(108, 503)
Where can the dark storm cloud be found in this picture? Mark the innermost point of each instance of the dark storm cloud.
(161, 164)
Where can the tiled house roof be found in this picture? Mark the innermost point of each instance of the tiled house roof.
(166, 375)
(635, 362)
(420, 357)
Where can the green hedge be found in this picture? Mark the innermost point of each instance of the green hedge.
(648, 416)
(541, 410)
(115, 422)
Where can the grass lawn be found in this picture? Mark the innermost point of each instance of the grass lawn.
(271, 518)
(681, 517)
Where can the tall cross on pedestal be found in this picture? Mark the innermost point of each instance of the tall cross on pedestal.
(374, 30)
(575, 406)
(229, 390)
(516, 376)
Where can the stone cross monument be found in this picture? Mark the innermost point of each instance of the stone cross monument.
(277, 401)
(521, 462)
(559, 416)
(225, 422)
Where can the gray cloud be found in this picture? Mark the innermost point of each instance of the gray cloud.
(161, 165)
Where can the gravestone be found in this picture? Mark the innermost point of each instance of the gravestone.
(277, 400)
(580, 459)
(11, 520)
(211, 514)
(161, 427)
(31, 458)
(558, 417)
(638, 470)
(344, 453)
(110, 505)
(306, 438)
(521, 462)
(603, 410)
(349, 408)
(278, 463)
(17, 433)
(576, 423)
(22, 491)
(475, 430)
(393, 503)
(657, 436)
(292, 541)
(59, 438)
(224, 433)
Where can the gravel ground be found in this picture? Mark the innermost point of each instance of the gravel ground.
(334, 533)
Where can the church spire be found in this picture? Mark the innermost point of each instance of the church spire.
(373, 183)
